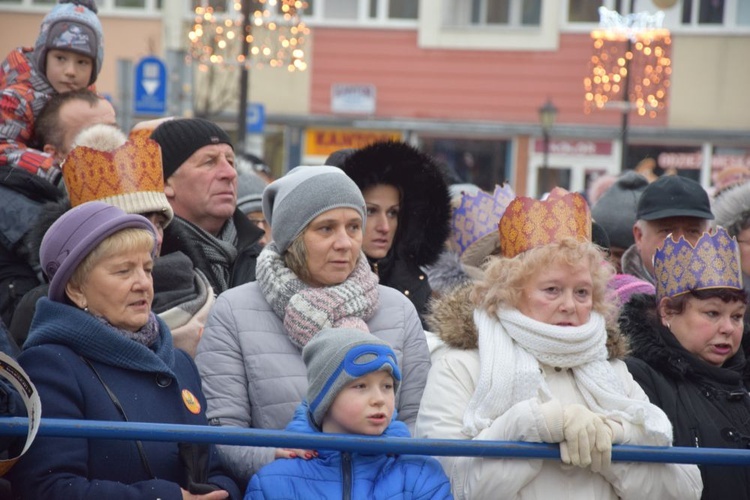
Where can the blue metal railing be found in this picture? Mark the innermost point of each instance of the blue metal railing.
(363, 444)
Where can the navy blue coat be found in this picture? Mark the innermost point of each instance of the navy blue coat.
(151, 390)
(337, 475)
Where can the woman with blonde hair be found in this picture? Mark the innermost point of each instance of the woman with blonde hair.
(535, 356)
(97, 351)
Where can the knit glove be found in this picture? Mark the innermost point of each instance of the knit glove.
(588, 439)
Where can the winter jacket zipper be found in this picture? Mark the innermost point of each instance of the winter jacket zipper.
(346, 471)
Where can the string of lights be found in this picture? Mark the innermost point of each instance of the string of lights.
(630, 66)
(275, 35)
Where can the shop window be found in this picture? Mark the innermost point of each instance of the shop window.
(551, 177)
(482, 162)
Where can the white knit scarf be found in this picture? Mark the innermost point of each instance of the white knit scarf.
(511, 347)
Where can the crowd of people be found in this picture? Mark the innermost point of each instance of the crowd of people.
(156, 275)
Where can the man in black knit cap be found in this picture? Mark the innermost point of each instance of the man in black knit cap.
(200, 182)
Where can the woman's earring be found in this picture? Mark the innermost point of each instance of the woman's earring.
(669, 326)
(85, 308)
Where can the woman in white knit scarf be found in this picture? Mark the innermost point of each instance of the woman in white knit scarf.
(538, 364)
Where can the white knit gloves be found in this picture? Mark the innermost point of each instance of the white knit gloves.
(587, 438)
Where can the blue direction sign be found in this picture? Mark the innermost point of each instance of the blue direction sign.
(256, 118)
(150, 86)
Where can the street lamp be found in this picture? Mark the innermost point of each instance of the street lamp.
(547, 116)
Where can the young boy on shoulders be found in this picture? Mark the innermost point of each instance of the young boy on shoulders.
(67, 56)
(353, 378)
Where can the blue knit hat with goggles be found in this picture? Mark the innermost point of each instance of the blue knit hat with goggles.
(337, 356)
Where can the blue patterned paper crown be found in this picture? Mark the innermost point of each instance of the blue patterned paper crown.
(714, 262)
(478, 215)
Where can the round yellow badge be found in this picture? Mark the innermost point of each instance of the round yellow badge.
(191, 402)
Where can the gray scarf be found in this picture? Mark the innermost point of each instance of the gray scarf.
(220, 251)
(633, 264)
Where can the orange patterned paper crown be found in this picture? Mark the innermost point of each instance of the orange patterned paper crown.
(714, 262)
(143, 133)
(529, 223)
(129, 177)
(478, 215)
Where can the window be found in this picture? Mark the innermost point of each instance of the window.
(493, 12)
(147, 8)
(743, 14)
(401, 9)
(139, 4)
(216, 5)
(702, 11)
(704, 14)
(340, 9)
(584, 11)
(483, 162)
(361, 11)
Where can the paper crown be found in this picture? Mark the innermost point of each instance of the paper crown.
(478, 215)
(129, 176)
(714, 262)
(141, 133)
(528, 223)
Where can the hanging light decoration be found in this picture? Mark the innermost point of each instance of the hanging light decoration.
(275, 34)
(630, 66)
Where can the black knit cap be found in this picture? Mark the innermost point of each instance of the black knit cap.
(180, 138)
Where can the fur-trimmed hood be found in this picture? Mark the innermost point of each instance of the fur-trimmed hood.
(425, 215)
(732, 208)
(447, 273)
(451, 318)
(654, 344)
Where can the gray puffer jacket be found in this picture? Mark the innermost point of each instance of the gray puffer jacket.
(253, 376)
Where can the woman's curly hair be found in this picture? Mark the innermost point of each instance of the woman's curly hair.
(505, 277)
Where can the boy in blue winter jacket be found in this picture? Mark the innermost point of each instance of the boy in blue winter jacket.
(352, 381)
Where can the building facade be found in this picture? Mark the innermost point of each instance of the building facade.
(464, 80)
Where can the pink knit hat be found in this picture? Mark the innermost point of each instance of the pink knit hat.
(627, 285)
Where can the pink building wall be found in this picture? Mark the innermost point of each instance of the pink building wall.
(498, 86)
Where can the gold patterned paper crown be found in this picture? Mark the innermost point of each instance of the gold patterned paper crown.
(129, 177)
(528, 223)
(478, 214)
(714, 262)
(143, 133)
